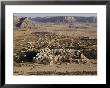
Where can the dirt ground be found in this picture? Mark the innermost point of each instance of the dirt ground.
(21, 37)
(89, 68)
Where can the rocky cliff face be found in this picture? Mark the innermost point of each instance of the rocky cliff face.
(65, 19)
(23, 22)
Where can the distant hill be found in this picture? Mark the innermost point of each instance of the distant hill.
(65, 19)
(26, 22)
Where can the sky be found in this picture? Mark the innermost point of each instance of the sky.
(33, 15)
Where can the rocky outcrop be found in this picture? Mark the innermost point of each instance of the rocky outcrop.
(23, 22)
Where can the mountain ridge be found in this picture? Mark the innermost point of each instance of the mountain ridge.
(64, 19)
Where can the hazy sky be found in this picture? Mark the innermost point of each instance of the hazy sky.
(32, 15)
